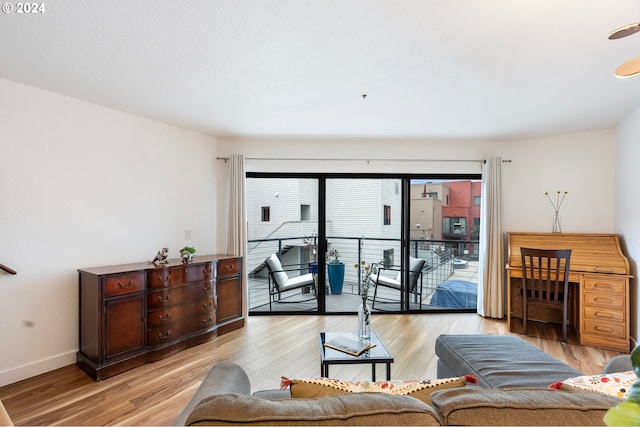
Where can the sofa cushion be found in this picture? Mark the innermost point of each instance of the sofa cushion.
(616, 384)
(346, 409)
(477, 406)
(499, 361)
(319, 387)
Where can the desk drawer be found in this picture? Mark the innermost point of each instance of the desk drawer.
(610, 329)
(606, 285)
(613, 301)
(603, 314)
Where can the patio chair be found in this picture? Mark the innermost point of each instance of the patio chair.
(415, 272)
(279, 280)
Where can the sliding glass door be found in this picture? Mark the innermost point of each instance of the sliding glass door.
(308, 233)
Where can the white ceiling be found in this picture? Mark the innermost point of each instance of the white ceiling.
(487, 69)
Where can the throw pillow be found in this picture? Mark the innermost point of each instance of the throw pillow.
(320, 387)
(615, 384)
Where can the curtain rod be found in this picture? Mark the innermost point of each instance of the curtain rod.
(360, 159)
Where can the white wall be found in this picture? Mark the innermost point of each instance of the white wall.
(628, 202)
(80, 186)
(582, 164)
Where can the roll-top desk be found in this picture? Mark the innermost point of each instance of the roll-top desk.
(137, 313)
(599, 286)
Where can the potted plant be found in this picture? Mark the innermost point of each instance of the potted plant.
(335, 271)
(187, 253)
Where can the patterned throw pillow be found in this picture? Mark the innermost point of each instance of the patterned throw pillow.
(616, 384)
(320, 387)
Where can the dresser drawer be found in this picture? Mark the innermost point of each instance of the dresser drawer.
(176, 313)
(610, 329)
(603, 314)
(161, 278)
(201, 321)
(165, 316)
(606, 285)
(165, 335)
(198, 273)
(228, 267)
(123, 284)
(179, 295)
(613, 301)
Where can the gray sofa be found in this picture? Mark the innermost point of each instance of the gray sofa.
(513, 380)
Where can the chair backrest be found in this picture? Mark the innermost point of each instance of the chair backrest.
(415, 269)
(274, 265)
(545, 273)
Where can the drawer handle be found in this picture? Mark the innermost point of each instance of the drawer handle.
(606, 300)
(128, 285)
(206, 289)
(606, 286)
(207, 305)
(165, 336)
(164, 279)
(229, 267)
(604, 269)
(602, 329)
(206, 321)
(164, 318)
(165, 299)
(604, 314)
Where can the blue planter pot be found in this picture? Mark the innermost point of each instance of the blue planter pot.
(335, 272)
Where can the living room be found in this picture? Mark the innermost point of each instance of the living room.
(88, 181)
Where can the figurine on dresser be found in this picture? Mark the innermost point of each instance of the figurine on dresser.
(161, 256)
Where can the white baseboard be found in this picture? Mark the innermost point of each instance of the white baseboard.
(29, 370)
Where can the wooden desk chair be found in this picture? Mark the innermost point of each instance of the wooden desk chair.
(545, 282)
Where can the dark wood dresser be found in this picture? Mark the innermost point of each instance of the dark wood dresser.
(137, 313)
(599, 292)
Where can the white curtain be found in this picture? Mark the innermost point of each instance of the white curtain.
(236, 219)
(491, 278)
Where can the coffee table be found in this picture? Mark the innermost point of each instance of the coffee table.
(377, 354)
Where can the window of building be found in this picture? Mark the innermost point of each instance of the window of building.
(454, 225)
(266, 213)
(430, 195)
(387, 215)
(387, 258)
(305, 212)
(476, 200)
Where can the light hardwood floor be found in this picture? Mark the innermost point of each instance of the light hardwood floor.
(267, 347)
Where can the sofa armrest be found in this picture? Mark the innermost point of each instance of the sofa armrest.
(472, 406)
(620, 363)
(223, 378)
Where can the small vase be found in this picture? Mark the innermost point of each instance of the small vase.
(556, 223)
(364, 321)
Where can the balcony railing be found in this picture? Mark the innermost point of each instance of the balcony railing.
(438, 254)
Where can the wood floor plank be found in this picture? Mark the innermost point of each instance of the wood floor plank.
(268, 347)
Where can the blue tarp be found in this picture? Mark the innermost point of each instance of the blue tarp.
(456, 294)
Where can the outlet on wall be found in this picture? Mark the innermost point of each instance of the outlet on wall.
(187, 234)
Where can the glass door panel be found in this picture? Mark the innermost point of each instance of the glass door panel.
(444, 231)
(363, 223)
(282, 222)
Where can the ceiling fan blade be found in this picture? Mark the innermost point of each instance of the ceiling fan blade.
(630, 68)
(625, 31)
